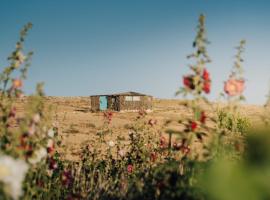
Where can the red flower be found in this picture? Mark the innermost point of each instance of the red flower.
(162, 142)
(206, 87)
(130, 168)
(193, 125)
(188, 82)
(203, 117)
(52, 164)
(67, 178)
(153, 156)
(206, 75)
(108, 116)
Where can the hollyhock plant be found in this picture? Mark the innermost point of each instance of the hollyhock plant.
(235, 85)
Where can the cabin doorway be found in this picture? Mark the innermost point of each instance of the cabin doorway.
(103, 103)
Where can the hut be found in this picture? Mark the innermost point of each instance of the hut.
(127, 101)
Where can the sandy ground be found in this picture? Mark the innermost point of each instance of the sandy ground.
(78, 125)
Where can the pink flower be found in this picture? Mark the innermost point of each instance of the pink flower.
(152, 122)
(234, 87)
(162, 142)
(130, 168)
(17, 83)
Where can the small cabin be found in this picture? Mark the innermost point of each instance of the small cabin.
(127, 101)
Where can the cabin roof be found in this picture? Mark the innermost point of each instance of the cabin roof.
(130, 93)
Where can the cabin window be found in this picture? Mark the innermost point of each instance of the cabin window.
(128, 98)
(132, 98)
(136, 98)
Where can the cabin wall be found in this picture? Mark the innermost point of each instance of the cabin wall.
(95, 103)
(144, 103)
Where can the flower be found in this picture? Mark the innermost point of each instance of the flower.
(17, 83)
(193, 125)
(108, 116)
(188, 82)
(153, 156)
(51, 133)
(162, 142)
(152, 122)
(38, 156)
(12, 112)
(32, 129)
(36, 118)
(206, 87)
(121, 152)
(12, 174)
(177, 145)
(206, 75)
(111, 143)
(67, 178)
(52, 164)
(50, 147)
(203, 117)
(234, 87)
(185, 149)
(130, 168)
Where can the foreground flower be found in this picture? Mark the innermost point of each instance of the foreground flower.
(206, 87)
(38, 156)
(188, 82)
(51, 133)
(193, 125)
(36, 118)
(234, 87)
(122, 152)
(203, 117)
(67, 178)
(17, 83)
(12, 174)
(111, 143)
(152, 122)
(206, 75)
(153, 156)
(130, 168)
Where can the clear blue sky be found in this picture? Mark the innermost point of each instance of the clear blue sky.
(97, 46)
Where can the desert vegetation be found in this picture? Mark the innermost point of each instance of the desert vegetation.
(213, 151)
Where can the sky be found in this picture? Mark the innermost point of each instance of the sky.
(86, 47)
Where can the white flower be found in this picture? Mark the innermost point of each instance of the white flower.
(111, 143)
(122, 152)
(32, 129)
(12, 174)
(38, 156)
(36, 118)
(51, 133)
(50, 143)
